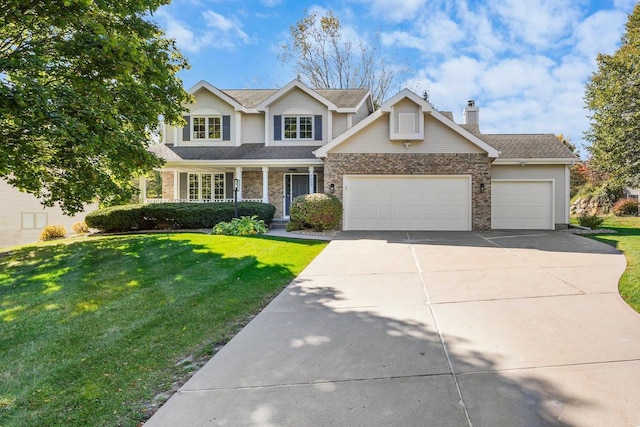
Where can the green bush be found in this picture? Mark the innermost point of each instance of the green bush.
(318, 211)
(174, 215)
(591, 221)
(606, 195)
(118, 218)
(243, 226)
(625, 207)
(51, 232)
(294, 226)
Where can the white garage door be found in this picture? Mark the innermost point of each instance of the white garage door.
(401, 202)
(522, 205)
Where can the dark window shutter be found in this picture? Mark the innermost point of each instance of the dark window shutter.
(228, 182)
(184, 185)
(226, 128)
(277, 128)
(186, 131)
(317, 128)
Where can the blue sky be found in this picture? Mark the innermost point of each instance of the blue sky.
(525, 62)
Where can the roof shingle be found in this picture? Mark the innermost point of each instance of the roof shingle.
(524, 146)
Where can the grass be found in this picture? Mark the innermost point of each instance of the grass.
(627, 239)
(93, 331)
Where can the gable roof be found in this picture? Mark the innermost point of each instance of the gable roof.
(515, 148)
(427, 108)
(253, 100)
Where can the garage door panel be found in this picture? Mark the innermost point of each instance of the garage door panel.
(407, 202)
(522, 205)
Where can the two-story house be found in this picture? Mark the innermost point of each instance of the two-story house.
(405, 166)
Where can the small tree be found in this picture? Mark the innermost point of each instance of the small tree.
(326, 56)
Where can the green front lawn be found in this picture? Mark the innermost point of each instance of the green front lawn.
(627, 239)
(93, 331)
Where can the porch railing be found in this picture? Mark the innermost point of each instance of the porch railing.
(150, 201)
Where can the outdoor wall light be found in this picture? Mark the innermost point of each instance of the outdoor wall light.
(482, 188)
(332, 188)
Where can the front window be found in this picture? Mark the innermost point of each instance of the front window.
(298, 127)
(33, 220)
(207, 127)
(206, 186)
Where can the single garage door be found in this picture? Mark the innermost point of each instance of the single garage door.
(401, 202)
(521, 205)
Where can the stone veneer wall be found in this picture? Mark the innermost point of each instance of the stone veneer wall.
(477, 165)
(167, 185)
(252, 185)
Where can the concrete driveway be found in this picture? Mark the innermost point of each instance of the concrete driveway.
(432, 329)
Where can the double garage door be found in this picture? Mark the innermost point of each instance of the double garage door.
(407, 202)
(443, 202)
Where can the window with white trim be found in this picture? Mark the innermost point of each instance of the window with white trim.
(298, 127)
(206, 127)
(33, 220)
(206, 186)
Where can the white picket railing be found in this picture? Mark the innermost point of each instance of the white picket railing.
(150, 201)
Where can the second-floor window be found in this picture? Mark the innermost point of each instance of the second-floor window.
(298, 127)
(207, 127)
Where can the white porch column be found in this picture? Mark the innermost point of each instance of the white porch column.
(176, 183)
(239, 178)
(142, 197)
(265, 184)
(312, 188)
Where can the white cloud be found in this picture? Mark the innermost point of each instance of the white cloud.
(213, 30)
(270, 3)
(600, 33)
(394, 10)
(537, 22)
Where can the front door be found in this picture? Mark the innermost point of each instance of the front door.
(295, 185)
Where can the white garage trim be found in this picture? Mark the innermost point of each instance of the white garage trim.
(524, 206)
(407, 202)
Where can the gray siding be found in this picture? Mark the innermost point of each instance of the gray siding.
(555, 172)
(362, 113)
(438, 139)
(253, 128)
(205, 99)
(13, 203)
(297, 100)
(339, 124)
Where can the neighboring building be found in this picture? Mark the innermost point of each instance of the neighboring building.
(23, 217)
(405, 166)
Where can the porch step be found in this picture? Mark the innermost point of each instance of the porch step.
(278, 224)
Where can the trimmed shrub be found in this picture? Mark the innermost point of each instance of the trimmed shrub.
(244, 226)
(174, 216)
(625, 207)
(118, 218)
(80, 227)
(318, 211)
(591, 221)
(294, 226)
(51, 232)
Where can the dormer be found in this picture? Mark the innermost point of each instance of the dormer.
(406, 116)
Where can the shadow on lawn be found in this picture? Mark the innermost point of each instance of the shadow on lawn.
(92, 329)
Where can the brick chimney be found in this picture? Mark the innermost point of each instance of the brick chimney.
(471, 114)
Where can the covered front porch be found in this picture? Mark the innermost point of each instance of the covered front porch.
(277, 185)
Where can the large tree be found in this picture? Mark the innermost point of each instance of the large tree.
(83, 84)
(327, 56)
(613, 95)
